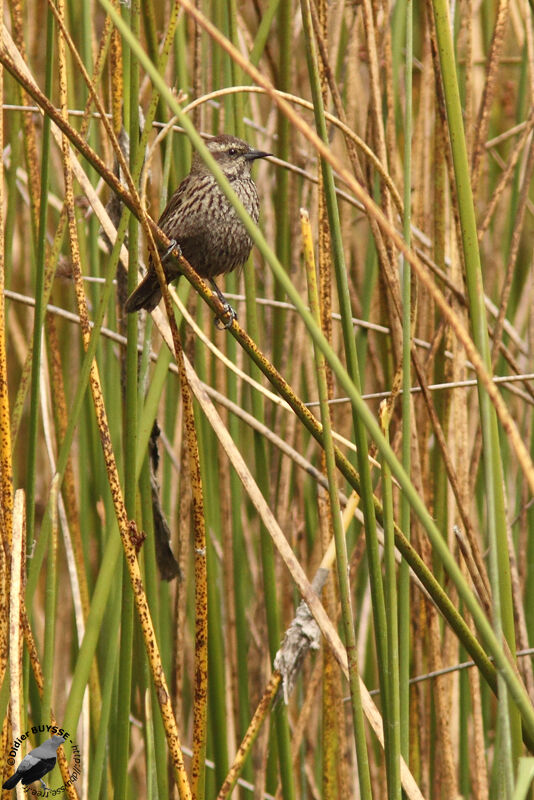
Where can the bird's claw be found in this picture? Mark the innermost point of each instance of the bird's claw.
(170, 250)
(230, 313)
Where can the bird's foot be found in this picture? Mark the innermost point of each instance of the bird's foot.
(228, 311)
(43, 784)
(170, 250)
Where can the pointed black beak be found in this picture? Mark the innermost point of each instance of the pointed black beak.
(254, 154)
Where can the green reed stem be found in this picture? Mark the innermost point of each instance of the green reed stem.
(391, 710)
(50, 613)
(39, 291)
(339, 535)
(499, 565)
(111, 625)
(405, 511)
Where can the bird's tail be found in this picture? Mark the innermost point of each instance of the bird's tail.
(147, 295)
(11, 782)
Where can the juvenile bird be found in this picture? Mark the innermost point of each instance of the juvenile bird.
(36, 764)
(201, 220)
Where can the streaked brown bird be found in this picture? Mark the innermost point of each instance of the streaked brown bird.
(201, 220)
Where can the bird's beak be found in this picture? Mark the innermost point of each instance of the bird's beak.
(254, 154)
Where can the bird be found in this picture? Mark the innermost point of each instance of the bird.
(201, 221)
(36, 764)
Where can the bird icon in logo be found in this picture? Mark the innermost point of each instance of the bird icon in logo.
(36, 764)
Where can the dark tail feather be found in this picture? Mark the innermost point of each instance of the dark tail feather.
(147, 295)
(11, 782)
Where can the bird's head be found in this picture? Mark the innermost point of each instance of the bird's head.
(234, 156)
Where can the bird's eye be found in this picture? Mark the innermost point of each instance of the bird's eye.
(232, 151)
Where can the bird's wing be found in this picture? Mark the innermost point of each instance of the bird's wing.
(185, 205)
(194, 250)
(175, 201)
(29, 761)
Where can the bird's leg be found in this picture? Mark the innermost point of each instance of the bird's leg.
(170, 250)
(43, 784)
(232, 313)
